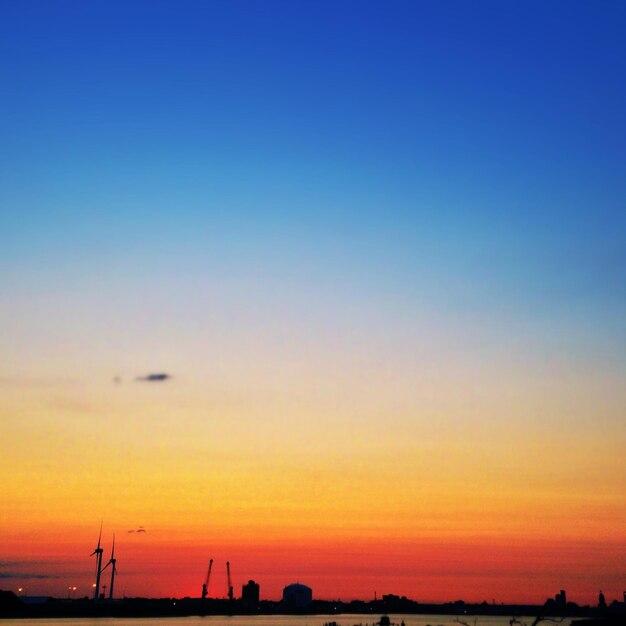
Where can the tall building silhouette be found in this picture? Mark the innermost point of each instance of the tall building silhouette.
(250, 595)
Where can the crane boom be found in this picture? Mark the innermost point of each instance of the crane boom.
(230, 586)
(205, 587)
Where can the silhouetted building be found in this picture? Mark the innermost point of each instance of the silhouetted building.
(601, 601)
(560, 599)
(393, 603)
(390, 597)
(250, 595)
(297, 596)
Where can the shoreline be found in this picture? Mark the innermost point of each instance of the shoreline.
(13, 607)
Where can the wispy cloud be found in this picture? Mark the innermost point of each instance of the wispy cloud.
(12, 570)
(36, 383)
(26, 575)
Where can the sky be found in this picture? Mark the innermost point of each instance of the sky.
(380, 248)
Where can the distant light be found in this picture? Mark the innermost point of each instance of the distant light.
(20, 590)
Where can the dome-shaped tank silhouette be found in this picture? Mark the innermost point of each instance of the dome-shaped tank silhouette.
(297, 596)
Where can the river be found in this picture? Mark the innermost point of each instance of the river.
(276, 620)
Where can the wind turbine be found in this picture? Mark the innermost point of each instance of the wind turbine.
(112, 562)
(98, 552)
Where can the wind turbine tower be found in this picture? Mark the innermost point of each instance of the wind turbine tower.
(98, 552)
(112, 562)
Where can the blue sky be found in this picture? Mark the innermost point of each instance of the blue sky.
(467, 152)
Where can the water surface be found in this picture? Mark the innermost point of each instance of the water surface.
(276, 620)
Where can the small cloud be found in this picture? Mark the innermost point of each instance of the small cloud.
(154, 378)
(141, 529)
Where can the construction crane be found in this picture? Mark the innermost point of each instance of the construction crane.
(230, 585)
(205, 587)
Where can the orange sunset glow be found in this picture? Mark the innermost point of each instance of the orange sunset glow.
(418, 503)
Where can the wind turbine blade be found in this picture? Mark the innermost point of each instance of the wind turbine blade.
(113, 548)
(107, 565)
(100, 535)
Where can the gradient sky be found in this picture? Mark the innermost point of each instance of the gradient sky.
(381, 249)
